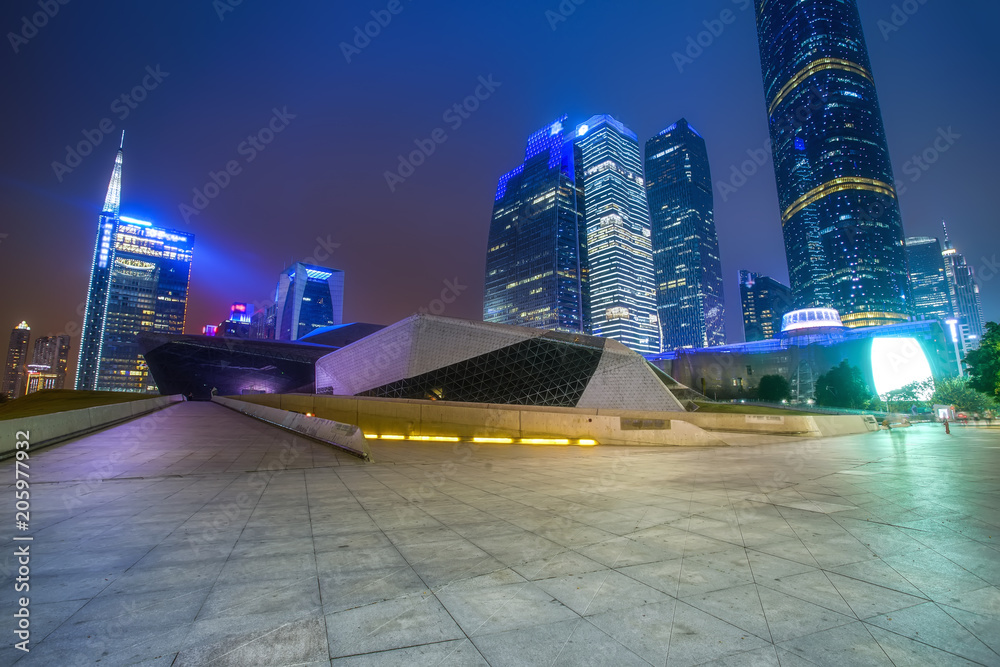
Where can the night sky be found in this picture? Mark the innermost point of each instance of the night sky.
(223, 74)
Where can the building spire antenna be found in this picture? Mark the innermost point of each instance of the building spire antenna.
(122, 144)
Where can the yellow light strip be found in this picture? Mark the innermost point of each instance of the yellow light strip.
(495, 441)
(834, 186)
(812, 68)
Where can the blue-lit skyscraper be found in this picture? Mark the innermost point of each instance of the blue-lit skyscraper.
(688, 270)
(619, 250)
(92, 331)
(139, 282)
(536, 271)
(966, 301)
(308, 297)
(840, 217)
(929, 283)
(765, 303)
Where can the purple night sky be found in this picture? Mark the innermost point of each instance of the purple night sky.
(225, 69)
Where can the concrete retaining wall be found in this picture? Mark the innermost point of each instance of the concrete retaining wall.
(44, 430)
(413, 417)
(377, 416)
(346, 437)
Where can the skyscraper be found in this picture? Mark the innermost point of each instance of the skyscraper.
(966, 301)
(688, 270)
(929, 282)
(17, 357)
(139, 282)
(308, 297)
(619, 250)
(839, 213)
(53, 351)
(92, 331)
(536, 260)
(149, 288)
(765, 302)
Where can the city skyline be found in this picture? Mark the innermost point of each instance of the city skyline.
(256, 253)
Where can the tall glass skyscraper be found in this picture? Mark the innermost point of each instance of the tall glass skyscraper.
(536, 259)
(765, 302)
(966, 302)
(92, 332)
(139, 282)
(53, 351)
(842, 227)
(17, 357)
(308, 297)
(619, 249)
(929, 282)
(688, 271)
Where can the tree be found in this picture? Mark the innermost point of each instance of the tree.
(984, 363)
(774, 389)
(843, 386)
(960, 393)
(915, 392)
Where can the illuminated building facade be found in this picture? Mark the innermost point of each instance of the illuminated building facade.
(263, 322)
(966, 301)
(53, 352)
(929, 283)
(139, 282)
(536, 260)
(765, 302)
(149, 289)
(811, 342)
(688, 270)
(839, 212)
(17, 357)
(238, 324)
(308, 297)
(619, 249)
(40, 376)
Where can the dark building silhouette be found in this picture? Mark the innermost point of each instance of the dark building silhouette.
(688, 270)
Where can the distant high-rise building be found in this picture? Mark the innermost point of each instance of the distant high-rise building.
(53, 351)
(238, 324)
(839, 213)
(966, 300)
(17, 357)
(536, 259)
(688, 270)
(619, 249)
(308, 297)
(929, 283)
(40, 376)
(263, 323)
(139, 282)
(765, 302)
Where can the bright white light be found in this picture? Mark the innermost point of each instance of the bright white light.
(135, 221)
(557, 127)
(583, 129)
(897, 362)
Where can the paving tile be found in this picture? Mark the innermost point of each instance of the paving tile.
(597, 592)
(567, 643)
(502, 608)
(390, 625)
(456, 653)
(930, 624)
(849, 644)
(789, 617)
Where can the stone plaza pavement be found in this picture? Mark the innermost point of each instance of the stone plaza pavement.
(198, 536)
